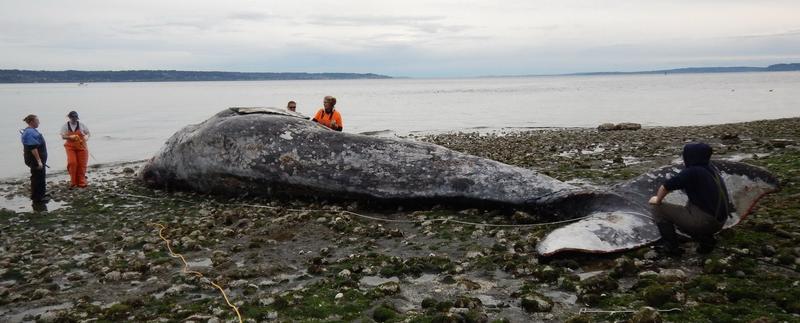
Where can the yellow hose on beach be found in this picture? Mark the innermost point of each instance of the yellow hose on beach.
(186, 269)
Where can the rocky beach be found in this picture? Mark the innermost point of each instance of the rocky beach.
(98, 255)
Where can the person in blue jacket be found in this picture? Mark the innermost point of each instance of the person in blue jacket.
(35, 153)
(707, 209)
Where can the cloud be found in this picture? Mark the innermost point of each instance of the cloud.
(427, 24)
(252, 16)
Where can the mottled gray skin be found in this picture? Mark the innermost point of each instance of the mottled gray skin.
(271, 152)
(275, 153)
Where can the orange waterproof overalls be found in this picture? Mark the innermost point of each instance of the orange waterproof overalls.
(77, 156)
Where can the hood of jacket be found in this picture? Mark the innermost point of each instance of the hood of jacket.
(697, 154)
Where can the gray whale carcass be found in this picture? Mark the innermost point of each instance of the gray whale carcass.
(273, 152)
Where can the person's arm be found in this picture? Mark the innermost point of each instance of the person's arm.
(64, 132)
(85, 131)
(676, 182)
(337, 122)
(35, 152)
(662, 192)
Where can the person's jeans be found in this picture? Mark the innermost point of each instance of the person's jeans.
(689, 219)
(37, 184)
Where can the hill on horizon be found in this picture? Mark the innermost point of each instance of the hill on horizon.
(723, 69)
(73, 76)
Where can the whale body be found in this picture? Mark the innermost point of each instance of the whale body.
(277, 153)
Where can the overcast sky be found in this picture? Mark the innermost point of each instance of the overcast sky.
(417, 38)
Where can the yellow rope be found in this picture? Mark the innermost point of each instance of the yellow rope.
(186, 270)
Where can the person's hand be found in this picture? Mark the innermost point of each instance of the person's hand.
(73, 137)
(333, 124)
(654, 200)
(40, 166)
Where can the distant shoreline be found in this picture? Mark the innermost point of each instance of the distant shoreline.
(71, 76)
(695, 70)
(15, 76)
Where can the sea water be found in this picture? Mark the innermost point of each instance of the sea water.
(131, 121)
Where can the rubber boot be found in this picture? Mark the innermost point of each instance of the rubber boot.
(669, 239)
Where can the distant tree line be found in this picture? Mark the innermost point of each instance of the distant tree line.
(784, 67)
(27, 76)
(729, 69)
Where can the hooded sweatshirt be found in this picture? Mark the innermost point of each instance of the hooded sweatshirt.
(701, 181)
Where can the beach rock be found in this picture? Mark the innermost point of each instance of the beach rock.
(646, 315)
(606, 127)
(546, 274)
(383, 314)
(593, 288)
(781, 143)
(730, 138)
(40, 293)
(619, 126)
(672, 275)
(113, 276)
(49, 316)
(601, 283)
(428, 302)
(628, 126)
(582, 318)
(523, 217)
(467, 302)
(533, 302)
(623, 267)
(657, 295)
(467, 284)
(389, 288)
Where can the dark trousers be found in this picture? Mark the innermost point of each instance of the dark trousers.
(37, 184)
(689, 219)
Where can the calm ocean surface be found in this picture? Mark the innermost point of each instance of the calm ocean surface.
(130, 121)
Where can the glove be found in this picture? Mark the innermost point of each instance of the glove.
(333, 124)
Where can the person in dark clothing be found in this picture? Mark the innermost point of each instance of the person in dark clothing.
(35, 153)
(707, 209)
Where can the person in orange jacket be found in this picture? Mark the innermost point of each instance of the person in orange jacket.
(75, 135)
(328, 116)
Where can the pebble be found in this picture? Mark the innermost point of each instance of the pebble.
(113, 276)
(389, 288)
(672, 275)
(49, 316)
(535, 302)
(40, 292)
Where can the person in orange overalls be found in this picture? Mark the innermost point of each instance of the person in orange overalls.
(328, 116)
(75, 134)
